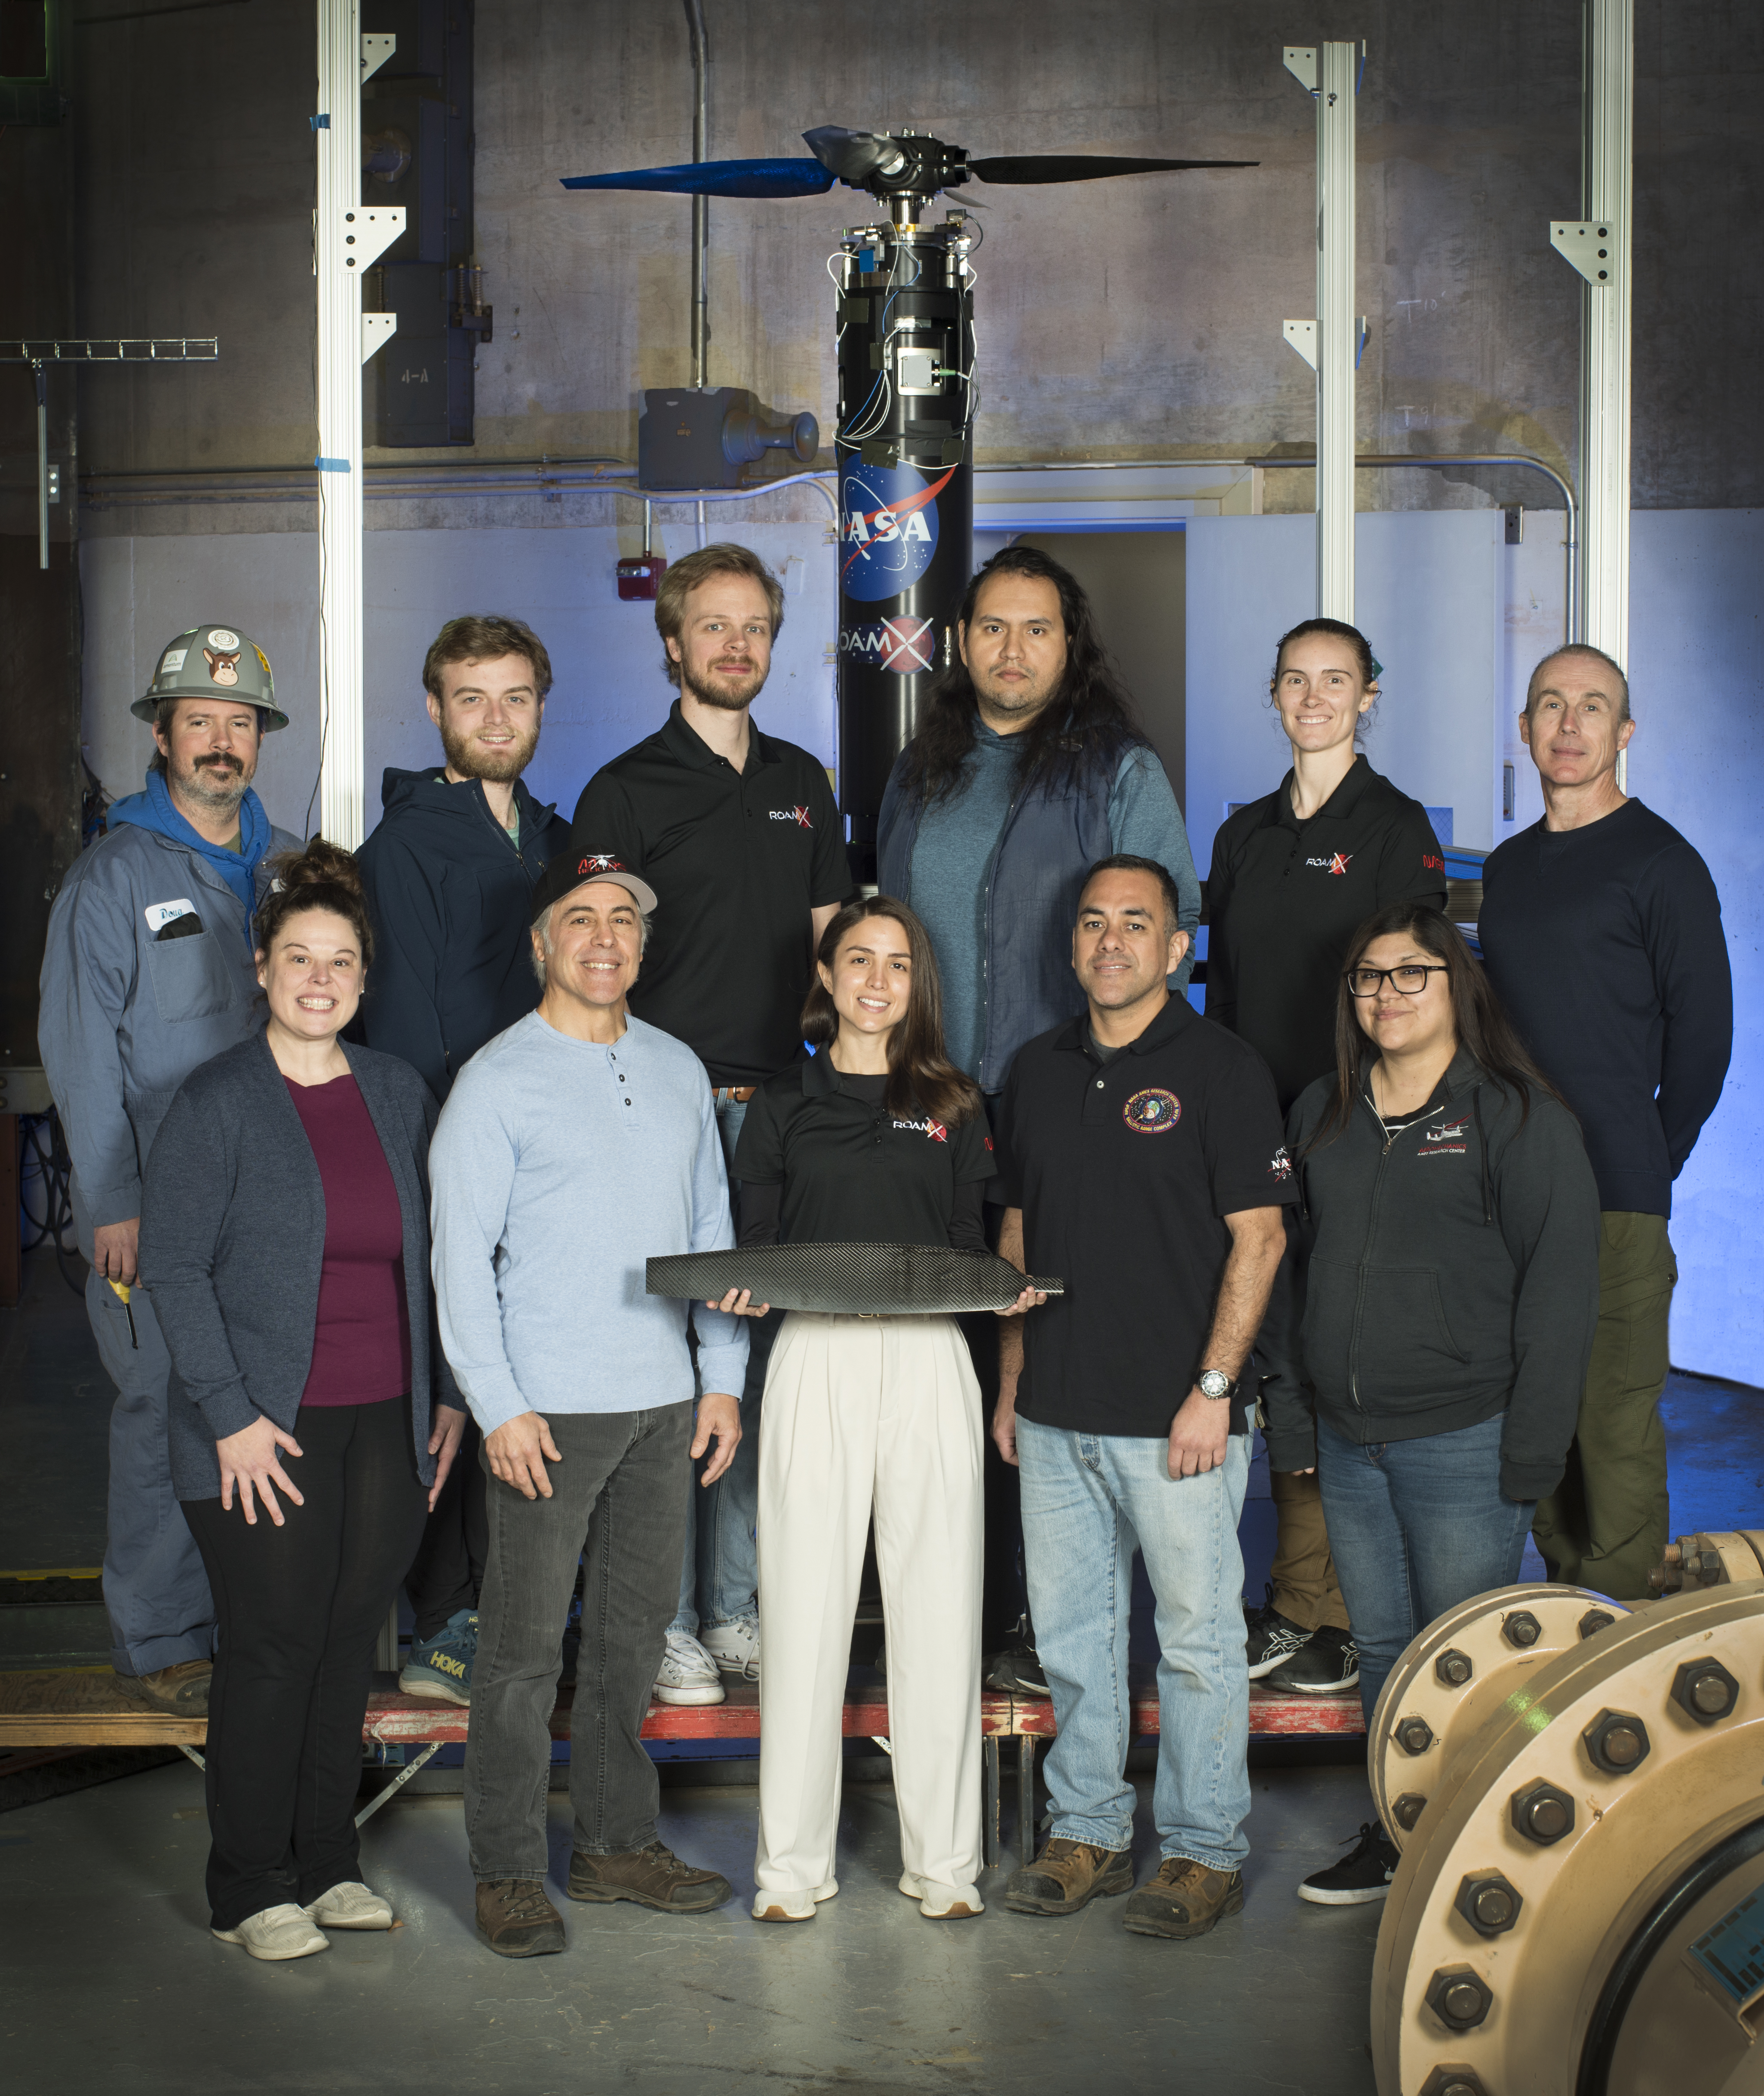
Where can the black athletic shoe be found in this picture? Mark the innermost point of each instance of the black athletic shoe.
(1326, 1664)
(1271, 1637)
(1017, 1668)
(1364, 1875)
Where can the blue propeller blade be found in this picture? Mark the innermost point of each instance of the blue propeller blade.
(724, 178)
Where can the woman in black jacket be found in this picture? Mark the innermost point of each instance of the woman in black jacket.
(285, 1244)
(1448, 1269)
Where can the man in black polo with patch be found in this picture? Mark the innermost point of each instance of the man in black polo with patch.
(1141, 1158)
(740, 836)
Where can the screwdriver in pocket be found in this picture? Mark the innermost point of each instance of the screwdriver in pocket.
(122, 1294)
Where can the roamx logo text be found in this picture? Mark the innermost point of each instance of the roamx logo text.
(1336, 862)
(797, 815)
(936, 1129)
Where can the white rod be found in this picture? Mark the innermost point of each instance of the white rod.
(1604, 492)
(41, 378)
(1337, 84)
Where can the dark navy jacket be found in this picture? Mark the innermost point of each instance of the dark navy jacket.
(451, 901)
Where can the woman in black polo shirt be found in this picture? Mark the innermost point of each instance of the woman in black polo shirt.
(1293, 875)
(878, 1140)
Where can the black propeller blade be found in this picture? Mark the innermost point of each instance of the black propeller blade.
(1081, 166)
(724, 178)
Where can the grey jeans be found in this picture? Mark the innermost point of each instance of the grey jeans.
(617, 1505)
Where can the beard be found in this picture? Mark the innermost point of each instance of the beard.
(217, 784)
(498, 766)
(729, 698)
(1024, 703)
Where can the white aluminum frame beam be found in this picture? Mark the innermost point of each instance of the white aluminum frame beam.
(347, 238)
(1331, 73)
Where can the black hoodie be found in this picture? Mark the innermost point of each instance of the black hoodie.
(450, 898)
(1442, 1275)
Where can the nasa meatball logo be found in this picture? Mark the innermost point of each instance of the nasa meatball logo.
(904, 645)
(887, 529)
(1153, 1112)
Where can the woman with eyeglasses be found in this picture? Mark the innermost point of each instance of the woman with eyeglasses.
(1293, 874)
(1429, 1359)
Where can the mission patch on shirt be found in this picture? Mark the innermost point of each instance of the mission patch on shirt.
(736, 861)
(1125, 1170)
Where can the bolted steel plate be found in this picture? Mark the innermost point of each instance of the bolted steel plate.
(850, 1280)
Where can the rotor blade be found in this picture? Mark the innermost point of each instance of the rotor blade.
(1081, 166)
(724, 178)
(852, 156)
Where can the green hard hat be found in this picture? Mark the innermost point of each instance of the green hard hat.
(207, 659)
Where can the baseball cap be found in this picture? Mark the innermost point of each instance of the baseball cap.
(570, 870)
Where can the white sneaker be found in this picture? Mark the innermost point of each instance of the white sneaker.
(687, 1672)
(351, 1904)
(938, 1902)
(735, 1647)
(278, 1932)
(796, 1905)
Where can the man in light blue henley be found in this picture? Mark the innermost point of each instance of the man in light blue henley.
(572, 1148)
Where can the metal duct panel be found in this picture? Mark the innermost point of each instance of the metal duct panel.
(850, 1280)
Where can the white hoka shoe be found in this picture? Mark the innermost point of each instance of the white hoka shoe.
(797, 1905)
(687, 1672)
(351, 1904)
(938, 1902)
(278, 1932)
(735, 1647)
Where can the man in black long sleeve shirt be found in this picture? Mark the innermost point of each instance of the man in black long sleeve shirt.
(1602, 931)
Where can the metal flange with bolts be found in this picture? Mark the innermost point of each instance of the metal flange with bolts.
(1578, 1912)
(1456, 1675)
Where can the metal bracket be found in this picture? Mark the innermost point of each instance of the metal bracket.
(375, 50)
(189, 1754)
(398, 1782)
(1591, 245)
(377, 329)
(112, 349)
(367, 233)
(1302, 335)
(1301, 63)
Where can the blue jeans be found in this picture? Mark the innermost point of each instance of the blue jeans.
(1416, 1527)
(1087, 1501)
(720, 1571)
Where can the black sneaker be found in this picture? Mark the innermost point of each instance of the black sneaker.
(1272, 1638)
(1364, 1875)
(1326, 1664)
(1016, 1669)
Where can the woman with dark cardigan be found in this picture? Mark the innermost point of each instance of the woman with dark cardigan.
(285, 1244)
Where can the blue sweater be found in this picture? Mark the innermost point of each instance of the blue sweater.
(558, 1167)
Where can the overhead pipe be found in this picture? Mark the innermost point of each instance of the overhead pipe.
(701, 205)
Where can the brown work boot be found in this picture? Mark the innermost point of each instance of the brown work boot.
(1066, 1877)
(515, 1919)
(654, 1876)
(179, 1692)
(1184, 1899)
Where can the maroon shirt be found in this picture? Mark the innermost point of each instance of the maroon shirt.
(361, 1349)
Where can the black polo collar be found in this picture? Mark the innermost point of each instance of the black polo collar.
(1177, 1017)
(1339, 805)
(686, 746)
(820, 1079)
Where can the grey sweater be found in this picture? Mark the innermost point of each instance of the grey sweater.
(233, 1241)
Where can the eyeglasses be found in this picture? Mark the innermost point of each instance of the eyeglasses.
(1410, 979)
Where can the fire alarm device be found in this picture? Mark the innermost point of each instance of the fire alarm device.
(639, 576)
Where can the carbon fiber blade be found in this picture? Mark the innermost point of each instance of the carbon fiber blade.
(849, 1280)
(724, 178)
(1081, 166)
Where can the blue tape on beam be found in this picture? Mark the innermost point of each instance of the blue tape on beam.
(321, 123)
(331, 465)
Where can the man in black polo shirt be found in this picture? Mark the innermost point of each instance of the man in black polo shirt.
(739, 835)
(1141, 1158)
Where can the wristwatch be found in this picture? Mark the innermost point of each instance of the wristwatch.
(1215, 1383)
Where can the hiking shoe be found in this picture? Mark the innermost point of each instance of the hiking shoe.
(1016, 1668)
(277, 1934)
(940, 1902)
(351, 1904)
(1184, 1899)
(441, 1666)
(654, 1876)
(1272, 1638)
(1364, 1875)
(687, 1672)
(180, 1691)
(735, 1647)
(1067, 1875)
(1326, 1664)
(515, 1919)
(796, 1905)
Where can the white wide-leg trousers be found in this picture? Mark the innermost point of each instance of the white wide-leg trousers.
(869, 1414)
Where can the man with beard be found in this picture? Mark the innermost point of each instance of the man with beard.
(738, 834)
(449, 873)
(150, 969)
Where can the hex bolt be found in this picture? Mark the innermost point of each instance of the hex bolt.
(1408, 1809)
(1596, 1620)
(1453, 2081)
(1414, 1736)
(1522, 1628)
(1454, 1668)
(1705, 1690)
(1616, 1741)
(1542, 1813)
(1459, 1996)
(1489, 1902)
